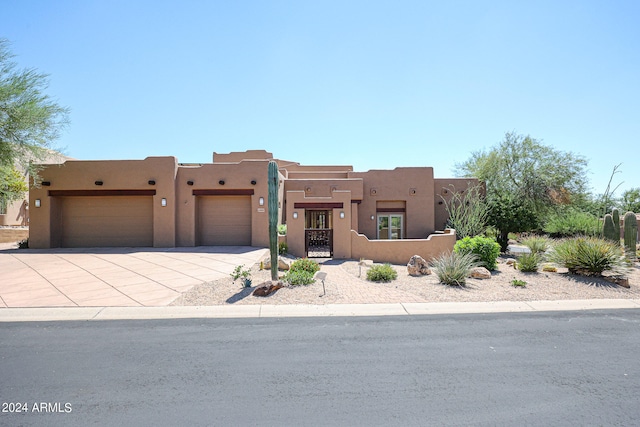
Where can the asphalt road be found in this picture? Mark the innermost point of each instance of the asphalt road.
(540, 369)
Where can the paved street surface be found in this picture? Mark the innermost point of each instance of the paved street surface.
(541, 369)
(122, 277)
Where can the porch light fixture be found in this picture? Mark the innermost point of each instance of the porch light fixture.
(98, 183)
(46, 183)
(295, 215)
(261, 201)
(37, 203)
(152, 182)
(221, 182)
(372, 217)
(163, 202)
(341, 215)
(189, 182)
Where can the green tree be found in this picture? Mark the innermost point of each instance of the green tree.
(13, 186)
(525, 180)
(630, 200)
(29, 119)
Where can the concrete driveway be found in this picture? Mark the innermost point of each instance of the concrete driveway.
(113, 277)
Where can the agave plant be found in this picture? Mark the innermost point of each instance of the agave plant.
(589, 256)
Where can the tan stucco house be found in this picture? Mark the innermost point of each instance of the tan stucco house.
(385, 215)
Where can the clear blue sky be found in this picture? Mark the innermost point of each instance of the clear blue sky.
(367, 83)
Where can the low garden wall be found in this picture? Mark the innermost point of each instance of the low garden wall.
(400, 251)
(13, 234)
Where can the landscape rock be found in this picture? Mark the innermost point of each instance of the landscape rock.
(267, 289)
(282, 264)
(417, 266)
(480, 273)
(620, 281)
(511, 262)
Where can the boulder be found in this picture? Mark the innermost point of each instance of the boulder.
(511, 262)
(282, 264)
(417, 266)
(480, 273)
(267, 289)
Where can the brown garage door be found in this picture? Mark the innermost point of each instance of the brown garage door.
(98, 221)
(224, 220)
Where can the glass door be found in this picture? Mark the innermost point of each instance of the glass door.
(390, 226)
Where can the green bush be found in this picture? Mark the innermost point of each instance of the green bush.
(571, 223)
(537, 244)
(283, 248)
(282, 229)
(528, 263)
(298, 277)
(589, 256)
(382, 273)
(453, 268)
(306, 265)
(485, 249)
(23, 244)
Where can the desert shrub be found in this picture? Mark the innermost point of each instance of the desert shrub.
(282, 229)
(467, 211)
(283, 248)
(306, 265)
(528, 263)
(23, 244)
(519, 283)
(485, 249)
(571, 223)
(298, 277)
(537, 244)
(589, 256)
(382, 273)
(453, 268)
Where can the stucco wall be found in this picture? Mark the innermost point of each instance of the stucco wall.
(414, 186)
(400, 251)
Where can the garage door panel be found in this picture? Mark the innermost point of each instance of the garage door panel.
(107, 221)
(224, 220)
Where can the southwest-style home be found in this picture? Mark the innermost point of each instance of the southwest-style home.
(384, 215)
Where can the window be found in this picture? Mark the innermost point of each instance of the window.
(390, 226)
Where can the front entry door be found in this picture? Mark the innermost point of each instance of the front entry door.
(318, 240)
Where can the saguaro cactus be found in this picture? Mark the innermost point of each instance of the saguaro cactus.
(630, 235)
(273, 218)
(609, 231)
(615, 213)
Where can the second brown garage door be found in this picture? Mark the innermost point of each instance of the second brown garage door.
(224, 220)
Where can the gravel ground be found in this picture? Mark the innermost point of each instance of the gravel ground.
(346, 283)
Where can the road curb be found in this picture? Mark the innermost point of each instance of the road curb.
(299, 310)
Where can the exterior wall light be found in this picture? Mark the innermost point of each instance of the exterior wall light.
(152, 182)
(98, 183)
(46, 183)
(221, 182)
(163, 202)
(189, 182)
(295, 215)
(37, 203)
(261, 201)
(341, 215)
(373, 217)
